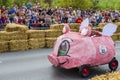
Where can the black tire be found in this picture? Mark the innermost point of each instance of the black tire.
(113, 65)
(84, 71)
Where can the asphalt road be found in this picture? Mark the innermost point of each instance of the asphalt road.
(34, 65)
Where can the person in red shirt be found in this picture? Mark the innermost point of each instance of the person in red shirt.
(20, 20)
(79, 20)
(3, 10)
(3, 17)
(36, 23)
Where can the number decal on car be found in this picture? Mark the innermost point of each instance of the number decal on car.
(102, 49)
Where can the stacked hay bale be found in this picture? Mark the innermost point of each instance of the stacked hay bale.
(51, 36)
(57, 27)
(101, 25)
(4, 46)
(73, 26)
(16, 27)
(56, 30)
(118, 27)
(97, 29)
(17, 45)
(116, 35)
(53, 33)
(36, 39)
(3, 43)
(118, 31)
(50, 42)
(16, 36)
(108, 76)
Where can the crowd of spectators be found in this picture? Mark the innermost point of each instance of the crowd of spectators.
(36, 16)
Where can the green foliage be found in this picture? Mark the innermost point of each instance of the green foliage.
(109, 4)
(21, 2)
(95, 3)
(6, 2)
(82, 4)
(43, 4)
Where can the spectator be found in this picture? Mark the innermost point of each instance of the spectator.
(29, 5)
(54, 20)
(34, 16)
(79, 20)
(36, 23)
(20, 20)
(48, 21)
(64, 18)
(41, 21)
(0, 22)
(3, 17)
(3, 9)
(11, 18)
(12, 11)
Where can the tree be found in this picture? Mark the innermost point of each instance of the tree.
(48, 1)
(6, 2)
(95, 3)
(82, 4)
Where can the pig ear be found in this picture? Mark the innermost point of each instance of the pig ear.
(84, 23)
(109, 29)
(66, 29)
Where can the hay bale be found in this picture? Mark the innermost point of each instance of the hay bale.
(97, 29)
(3, 46)
(108, 76)
(53, 33)
(16, 35)
(50, 42)
(41, 42)
(90, 24)
(36, 43)
(115, 37)
(73, 30)
(118, 36)
(16, 45)
(74, 26)
(57, 26)
(36, 34)
(118, 27)
(3, 35)
(101, 25)
(60, 26)
(16, 27)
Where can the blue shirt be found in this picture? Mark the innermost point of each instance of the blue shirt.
(12, 11)
(0, 21)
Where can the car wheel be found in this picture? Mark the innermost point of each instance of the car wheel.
(84, 71)
(113, 65)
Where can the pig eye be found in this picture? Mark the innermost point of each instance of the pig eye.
(63, 49)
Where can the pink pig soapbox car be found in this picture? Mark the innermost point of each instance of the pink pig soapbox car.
(85, 48)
